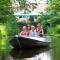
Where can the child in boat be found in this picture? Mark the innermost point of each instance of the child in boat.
(24, 32)
(39, 29)
(33, 32)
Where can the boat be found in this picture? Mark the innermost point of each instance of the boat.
(27, 42)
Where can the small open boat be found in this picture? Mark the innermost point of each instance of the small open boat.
(23, 42)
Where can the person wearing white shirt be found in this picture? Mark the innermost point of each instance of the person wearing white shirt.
(33, 32)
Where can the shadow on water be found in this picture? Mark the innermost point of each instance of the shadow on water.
(27, 53)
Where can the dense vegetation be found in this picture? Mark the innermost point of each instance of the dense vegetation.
(10, 27)
(54, 20)
(6, 17)
(51, 20)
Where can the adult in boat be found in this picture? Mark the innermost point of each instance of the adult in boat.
(33, 32)
(28, 28)
(39, 29)
(24, 32)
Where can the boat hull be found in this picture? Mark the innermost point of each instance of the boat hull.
(21, 42)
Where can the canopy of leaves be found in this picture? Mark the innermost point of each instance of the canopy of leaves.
(54, 6)
(5, 7)
(6, 17)
(25, 4)
(53, 19)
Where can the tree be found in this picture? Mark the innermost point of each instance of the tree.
(54, 6)
(26, 5)
(53, 9)
(5, 9)
(7, 18)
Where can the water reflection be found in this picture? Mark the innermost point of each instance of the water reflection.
(31, 54)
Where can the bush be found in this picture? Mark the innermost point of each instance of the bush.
(11, 25)
(54, 30)
(54, 21)
(58, 29)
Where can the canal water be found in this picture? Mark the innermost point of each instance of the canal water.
(32, 54)
(45, 53)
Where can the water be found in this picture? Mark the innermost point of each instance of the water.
(29, 54)
(32, 54)
(45, 53)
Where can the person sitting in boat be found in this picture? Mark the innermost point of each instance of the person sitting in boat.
(28, 28)
(24, 32)
(39, 29)
(32, 32)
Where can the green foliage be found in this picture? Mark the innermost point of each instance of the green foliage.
(57, 29)
(7, 18)
(5, 7)
(50, 21)
(54, 6)
(56, 47)
(51, 31)
(52, 18)
(4, 42)
(11, 25)
(24, 5)
(54, 31)
(8, 26)
(3, 33)
(55, 20)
